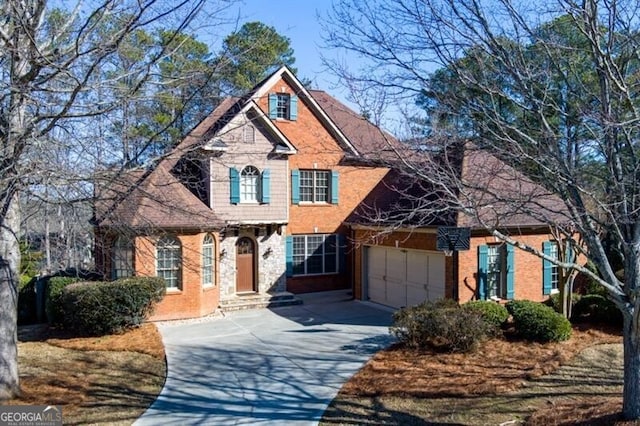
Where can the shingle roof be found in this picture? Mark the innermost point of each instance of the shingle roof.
(369, 140)
(494, 194)
(153, 200)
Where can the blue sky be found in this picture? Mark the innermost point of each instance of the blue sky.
(297, 20)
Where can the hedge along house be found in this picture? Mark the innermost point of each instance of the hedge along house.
(397, 261)
(252, 202)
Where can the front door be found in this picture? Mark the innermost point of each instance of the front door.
(245, 261)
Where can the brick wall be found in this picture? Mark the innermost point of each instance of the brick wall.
(318, 149)
(527, 273)
(192, 300)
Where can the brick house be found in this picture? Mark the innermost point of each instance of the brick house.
(251, 203)
(403, 267)
(265, 198)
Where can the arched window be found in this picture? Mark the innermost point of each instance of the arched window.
(169, 258)
(122, 260)
(249, 185)
(208, 261)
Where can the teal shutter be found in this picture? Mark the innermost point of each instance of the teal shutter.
(293, 108)
(273, 106)
(483, 264)
(547, 267)
(510, 271)
(234, 191)
(342, 253)
(335, 188)
(295, 186)
(289, 255)
(265, 186)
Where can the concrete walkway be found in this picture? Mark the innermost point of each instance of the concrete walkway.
(268, 366)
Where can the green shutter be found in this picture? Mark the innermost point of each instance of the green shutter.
(289, 255)
(510, 271)
(483, 264)
(295, 186)
(335, 188)
(265, 187)
(273, 106)
(293, 108)
(547, 267)
(234, 191)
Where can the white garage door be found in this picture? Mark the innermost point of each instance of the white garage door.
(399, 277)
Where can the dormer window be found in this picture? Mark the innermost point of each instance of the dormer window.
(283, 106)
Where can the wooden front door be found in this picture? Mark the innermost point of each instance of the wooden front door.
(245, 265)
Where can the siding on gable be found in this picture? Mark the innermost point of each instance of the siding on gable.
(240, 154)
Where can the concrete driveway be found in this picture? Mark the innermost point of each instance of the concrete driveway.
(267, 366)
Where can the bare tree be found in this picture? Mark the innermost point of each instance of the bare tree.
(550, 89)
(53, 74)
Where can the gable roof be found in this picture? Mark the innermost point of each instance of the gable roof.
(285, 73)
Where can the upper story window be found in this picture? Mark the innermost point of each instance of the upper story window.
(283, 106)
(314, 186)
(169, 261)
(122, 260)
(249, 185)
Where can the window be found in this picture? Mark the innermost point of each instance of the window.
(122, 258)
(495, 277)
(314, 254)
(249, 134)
(283, 106)
(550, 273)
(169, 258)
(495, 271)
(249, 185)
(208, 261)
(314, 186)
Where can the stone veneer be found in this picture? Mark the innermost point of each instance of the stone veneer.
(271, 270)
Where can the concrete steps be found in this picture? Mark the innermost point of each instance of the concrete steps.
(256, 301)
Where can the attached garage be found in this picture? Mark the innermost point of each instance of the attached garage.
(403, 277)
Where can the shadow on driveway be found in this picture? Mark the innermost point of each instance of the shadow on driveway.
(266, 366)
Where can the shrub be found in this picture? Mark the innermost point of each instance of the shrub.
(111, 307)
(53, 298)
(441, 325)
(596, 309)
(492, 312)
(537, 322)
(554, 301)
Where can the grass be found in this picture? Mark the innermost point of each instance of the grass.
(505, 382)
(97, 380)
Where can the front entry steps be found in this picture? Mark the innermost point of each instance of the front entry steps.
(257, 300)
